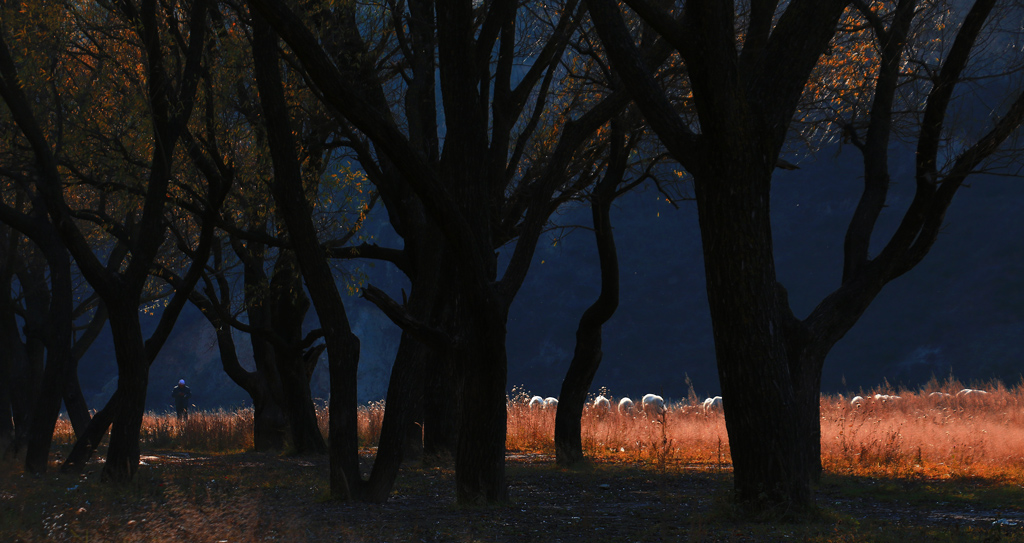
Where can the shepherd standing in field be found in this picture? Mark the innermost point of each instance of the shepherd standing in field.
(181, 394)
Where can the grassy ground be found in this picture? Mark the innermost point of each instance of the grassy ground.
(922, 468)
(249, 497)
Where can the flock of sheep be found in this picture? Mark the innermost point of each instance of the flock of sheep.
(651, 404)
(654, 405)
(859, 401)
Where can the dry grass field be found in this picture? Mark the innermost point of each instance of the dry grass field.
(923, 467)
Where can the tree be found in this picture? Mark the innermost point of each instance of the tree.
(40, 370)
(749, 73)
(273, 300)
(502, 161)
(587, 355)
(134, 53)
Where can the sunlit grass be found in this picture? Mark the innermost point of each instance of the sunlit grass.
(920, 435)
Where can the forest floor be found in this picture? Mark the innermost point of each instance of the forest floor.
(249, 497)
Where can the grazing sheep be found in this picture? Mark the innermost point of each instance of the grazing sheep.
(550, 402)
(887, 398)
(711, 404)
(602, 404)
(536, 402)
(625, 406)
(971, 392)
(653, 404)
(856, 401)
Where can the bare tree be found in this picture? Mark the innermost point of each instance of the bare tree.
(169, 83)
(747, 88)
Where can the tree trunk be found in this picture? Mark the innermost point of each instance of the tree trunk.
(482, 363)
(587, 356)
(305, 431)
(74, 400)
(808, 400)
(572, 399)
(58, 365)
(441, 407)
(288, 306)
(342, 345)
(6, 418)
(269, 425)
(763, 420)
(405, 391)
(89, 440)
(7, 384)
(132, 380)
(441, 399)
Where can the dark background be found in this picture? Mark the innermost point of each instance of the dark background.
(960, 312)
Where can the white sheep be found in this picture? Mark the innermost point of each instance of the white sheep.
(625, 406)
(550, 402)
(711, 404)
(885, 398)
(653, 404)
(602, 404)
(856, 401)
(536, 402)
(971, 392)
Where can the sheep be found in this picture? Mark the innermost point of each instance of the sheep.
(550, 402)
(536, 402)
(856, 401)
(887, 398)
(971, 392)
(653, 404)
(602, 404)
(625, 406)
(939, 395)
(711, 404)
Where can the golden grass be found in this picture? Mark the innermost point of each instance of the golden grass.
(917, 436)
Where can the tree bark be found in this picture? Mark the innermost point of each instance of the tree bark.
(482, 363)
(132, 380)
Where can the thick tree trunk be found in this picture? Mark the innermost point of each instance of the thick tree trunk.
(763, 419)
(132, 380)
(441, 397)
(305, 432)
(808, 400)
(441, 407)
(482, 363)
(270, 426)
